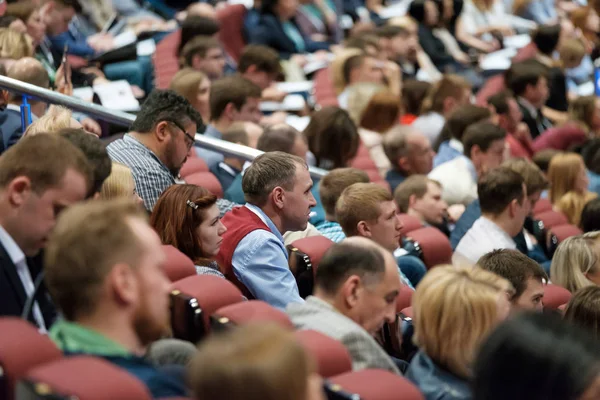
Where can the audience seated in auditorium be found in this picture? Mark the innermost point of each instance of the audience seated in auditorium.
(369, 210)
(363, 68)
(187, 218)
(55, 119)
(228, 170)
(584, 309)
(421, 197)
(204, 54)
(319, 20)
(330, 190)
(277, 187)
(536, 184)
(413, 94)
(198, 25)
(510, 118)
(518, 357)
(569, 185)
(449, 144)
(445, 96)
(104, 273)
(504, 206)
(409, 153)
(254, 362)
(454, 309)
(590, 216)
(194, 86)
(403, 44)
(575, 263)
(34, 189)
(355, 294)
(484, 145)
(158, 144)
(120, 185)
(529, 83)
(332, 138)
(481, 23)
(232, 99)
(525, 275)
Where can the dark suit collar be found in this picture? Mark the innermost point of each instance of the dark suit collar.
(10, 272)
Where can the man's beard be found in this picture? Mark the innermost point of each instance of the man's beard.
(147, 328)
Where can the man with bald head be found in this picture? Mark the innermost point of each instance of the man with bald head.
(355, 293)
(28, 70)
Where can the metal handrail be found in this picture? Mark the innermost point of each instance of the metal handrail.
(125, 119)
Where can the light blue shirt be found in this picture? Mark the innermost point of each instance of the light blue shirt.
(212, 158)
(260, 262)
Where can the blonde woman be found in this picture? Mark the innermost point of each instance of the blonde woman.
(254, 362)
(120, 184)
(14, 45)
(575, 264)
(569, 185)
(585, 112)
(195, 87)
(55, 119)
(365, 101)
(454, 309)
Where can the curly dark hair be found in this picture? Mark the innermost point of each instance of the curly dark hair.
(165, 105)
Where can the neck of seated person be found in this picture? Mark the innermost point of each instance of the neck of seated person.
(234, 163)
(509, 225)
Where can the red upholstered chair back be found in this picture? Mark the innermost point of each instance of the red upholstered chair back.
(552, 218)
(178, 265)
(304, 258)
(331, 356)
(84, 378)
(231, 35)
(555, 296)
(165, 60)
(541, 206)
(404, 299)
(194, 299)
(22, 347)
(409, 223)
(206, 180)
(249, 312)
(492, 86)
(407, 312)
(375, 384)
(433, 246)
(315, 247)
(324, 90)
(193, 165)
(525, 53)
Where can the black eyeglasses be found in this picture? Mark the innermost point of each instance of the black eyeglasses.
(189, 138)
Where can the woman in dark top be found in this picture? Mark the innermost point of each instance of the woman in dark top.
(278, 29)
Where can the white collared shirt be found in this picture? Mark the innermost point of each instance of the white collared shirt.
(18, 258)
(483, 237)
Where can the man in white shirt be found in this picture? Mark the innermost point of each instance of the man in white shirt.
(504, 206)
(39, 177)
(484, 147)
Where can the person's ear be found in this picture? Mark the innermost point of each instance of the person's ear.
(449, 104)
(404, 164)
(161, 131)
(229, 111)
(351, 291)
(251, 69)
(475, 152)
(512, 209)
(196, 61)
(278, 195)
(364, 229)
(412, 199)
(123, 285)
(19, 190)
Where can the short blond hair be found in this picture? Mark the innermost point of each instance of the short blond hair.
(359, 97)
(335, 182)
(119, 184)
(449, 86)
(337, 68)
(186, 83)
(572, 52)
(14, 45)
(55, 119)
(88, 240)
(360, 202)
(572, 260)
(454, 309)
(252, 362)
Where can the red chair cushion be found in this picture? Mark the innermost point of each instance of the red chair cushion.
(409, 223)
(207, 180)
(88, 378)
(324, 90)
(22, 347)
(165, 60)
(552, 218)
(408, 312)
(193, 165)
(252, 311)
(434, 245)
(492, 86)
(560, 138)
(404, 299)
(565, 231)
(211, 292)
(315, 247)
(177, 265)
(331, 356)
(375, 384)
(541, 206)
(231, 35)
(555, 296)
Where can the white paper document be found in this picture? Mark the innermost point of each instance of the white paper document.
(117, 95)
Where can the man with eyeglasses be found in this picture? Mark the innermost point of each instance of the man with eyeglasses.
(158, 143)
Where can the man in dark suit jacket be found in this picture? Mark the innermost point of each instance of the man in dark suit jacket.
(34, 188)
